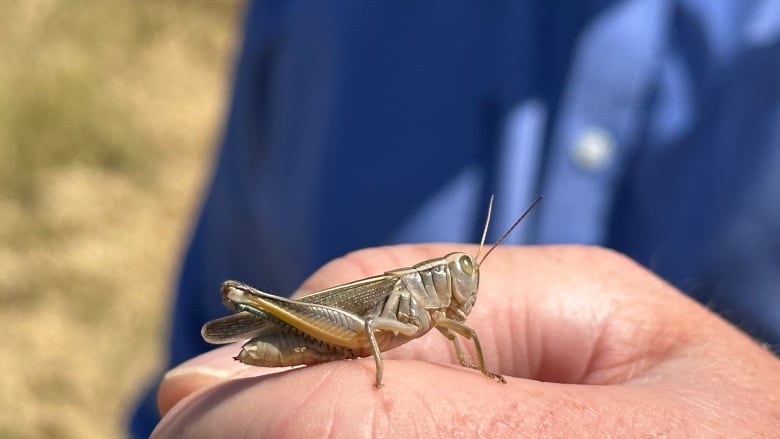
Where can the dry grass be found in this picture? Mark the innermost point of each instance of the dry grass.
(108, 115)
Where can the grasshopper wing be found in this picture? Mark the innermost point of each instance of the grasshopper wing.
(235, 327)
(357, 298)
(330, 324)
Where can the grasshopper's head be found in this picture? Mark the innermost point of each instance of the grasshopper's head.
(464, 283)
(465, 269)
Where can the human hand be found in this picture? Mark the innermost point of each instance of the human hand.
(591, 344)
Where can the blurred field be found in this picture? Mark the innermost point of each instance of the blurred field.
(109, 111)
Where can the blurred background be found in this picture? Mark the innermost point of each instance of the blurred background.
(109, 111)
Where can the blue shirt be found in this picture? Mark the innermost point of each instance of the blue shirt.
(651, 126)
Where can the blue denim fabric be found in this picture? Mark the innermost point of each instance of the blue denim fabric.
(651, 127)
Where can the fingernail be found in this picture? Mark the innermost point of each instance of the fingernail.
(200, 372)
(217, 363)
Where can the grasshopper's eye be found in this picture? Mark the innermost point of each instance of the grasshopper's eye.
(466, 265)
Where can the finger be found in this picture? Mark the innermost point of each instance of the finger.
(423, 399)
(564, 314)
(567, 314)
(204, 371)
(594, 329)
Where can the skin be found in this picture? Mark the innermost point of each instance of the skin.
(591, 344)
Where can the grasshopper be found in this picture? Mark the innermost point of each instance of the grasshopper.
(361, 318)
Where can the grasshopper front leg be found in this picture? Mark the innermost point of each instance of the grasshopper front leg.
(450, 328)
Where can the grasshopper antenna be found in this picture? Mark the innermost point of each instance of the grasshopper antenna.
(508, 231)
(484, 231)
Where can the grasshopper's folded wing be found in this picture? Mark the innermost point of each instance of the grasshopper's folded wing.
(330, 324)
(356, 298)
(235, 327)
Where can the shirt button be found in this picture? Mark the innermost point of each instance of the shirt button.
(594, 150)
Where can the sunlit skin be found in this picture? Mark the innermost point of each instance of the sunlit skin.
(591, 344)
